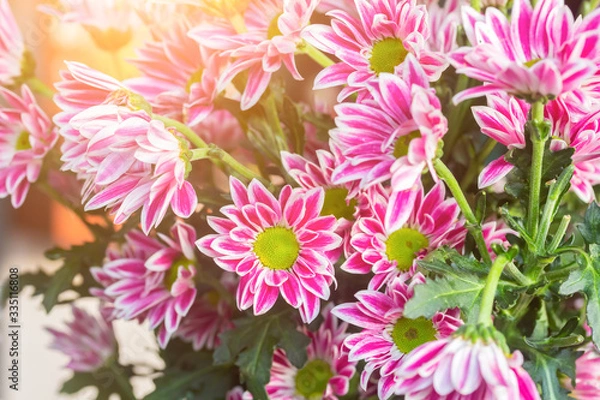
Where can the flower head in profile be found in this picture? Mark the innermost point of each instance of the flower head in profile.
(88, 341)
(327, 372)
(466, 365)
(15, 63)
(265, 38)
(109, 22)
(587, 375)
(403, 228)
(387, 335)
(375, 41)
(540, 52)
(26, 136)
(393, 134)
(276, 246)
(504, 120)
(150, 279)
(127, 160)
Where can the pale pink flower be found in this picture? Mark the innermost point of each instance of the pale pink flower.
(443, 23)
(209, 316)
(270, 39)
(327, 372)
(109, 22)
(469, 368)
(12, 47)
(148, 279)
(326, 6)
(403, 228)
(587, 378)
(238, 393)
(88, 341)
(387, 336)
(374, 42)
(393, 135)
(276, 245)
(495, 233)
(339, 200)
(127, 160)
(542, 52)
(504, 121)
(222, 129)
(26, 136)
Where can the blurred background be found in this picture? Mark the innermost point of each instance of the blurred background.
(41, 224)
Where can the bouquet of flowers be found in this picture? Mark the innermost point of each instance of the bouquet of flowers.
(323, 199)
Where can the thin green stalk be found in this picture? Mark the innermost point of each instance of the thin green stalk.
(475, 167)
(517, 275)
(535, 181)
(489, 290)
(273, 117)
(37, 86)
(456, 116)
(560, 274)
(317, 55)
(183, 128)
(560, 233)
(474, 226)
(122, 381)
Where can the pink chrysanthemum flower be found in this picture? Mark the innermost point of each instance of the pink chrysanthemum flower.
(327, 372)
(469, 368)
(151, 280)
(109, 22)
(541, 52)
(387, 336)
(404, 228)
(275, 246)
(26, 136)
(393, 135)
(88, 341)
(443, 23)
(587, 378)
(179, 76)
(504, 121)
(238, 393)
(127, 160)
(12, 47)
(268, 39)
(339, 199)
(375, 42)
(209, 316)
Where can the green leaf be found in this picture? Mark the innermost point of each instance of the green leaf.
(252, 342)
(76, 260)
(103, 379)
(587, 281)
(446, 260)
(39, 280)
(193, 378)
(463, 291)
(544, 367)
(590, 229)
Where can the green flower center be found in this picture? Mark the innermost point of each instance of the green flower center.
(402, 143)
(402, 246)
(387, 54)
(273, 29)
(277, 248)
(531, 63)
(23, 141)
(408, 334)
(312, 379)
(335, 204)
(195, 78)
(171, 274)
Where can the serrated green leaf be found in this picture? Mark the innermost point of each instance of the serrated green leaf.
(444, 261)
(39, 280)
(544, 367)
(586, 280)
(104, 380)
(444, 293)
(590, 229)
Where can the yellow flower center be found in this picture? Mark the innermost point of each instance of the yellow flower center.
(312, 379)
(408, 334)
(531, 63)
(402, 143)
(387, 54)
(277, 248)
(335, 204)
(23, 141)
(403, 245)
(173, 272)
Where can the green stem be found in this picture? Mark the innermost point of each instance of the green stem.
(473, 226)
(489, 291)
(475, 167)
(183, 128)
(122, 381)
(317, 55)
(37, 86)
(270, 107)
(515, 273)
(535, 181)
(560, 274)
(456, 116)
(560, 234)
